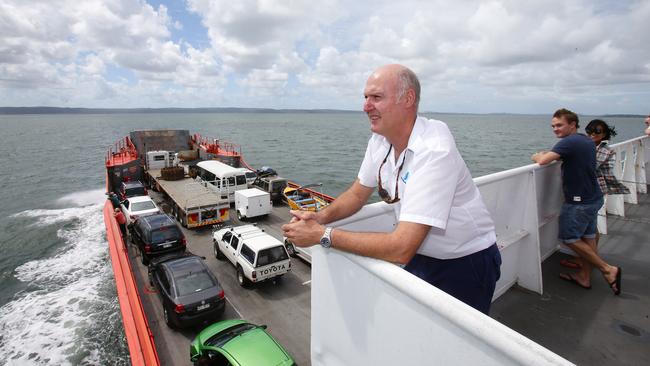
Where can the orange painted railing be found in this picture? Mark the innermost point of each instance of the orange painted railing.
(215, 146)
(136, 328)
(122, 152)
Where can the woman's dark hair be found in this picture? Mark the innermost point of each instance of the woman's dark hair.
(610, 131)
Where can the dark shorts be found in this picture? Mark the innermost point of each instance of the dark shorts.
(578, 221)
(470, 279)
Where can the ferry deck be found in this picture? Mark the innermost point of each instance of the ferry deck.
(283, 305)
(592, 327)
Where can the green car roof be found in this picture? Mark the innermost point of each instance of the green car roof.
(253, 347)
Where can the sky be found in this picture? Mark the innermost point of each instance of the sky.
(591, 56)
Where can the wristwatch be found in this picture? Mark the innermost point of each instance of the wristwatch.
(326, 240)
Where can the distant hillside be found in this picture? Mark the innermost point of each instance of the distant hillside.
(57, 110)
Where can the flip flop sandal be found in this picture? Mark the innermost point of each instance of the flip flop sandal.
(569, 278)
(570, 264)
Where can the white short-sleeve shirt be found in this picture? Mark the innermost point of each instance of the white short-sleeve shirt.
(435, 189)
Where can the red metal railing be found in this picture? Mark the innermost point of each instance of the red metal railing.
(139, 338)
(217, 147)
(121, 152)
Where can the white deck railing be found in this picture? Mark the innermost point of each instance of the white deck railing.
(370, 312)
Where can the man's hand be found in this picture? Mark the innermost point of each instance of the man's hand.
(545, 157)
(303, 230)
(303, 215)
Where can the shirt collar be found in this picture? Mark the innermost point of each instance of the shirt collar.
(415, 139)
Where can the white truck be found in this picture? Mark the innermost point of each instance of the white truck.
(192, 204)
(256, 255)
(252, 202)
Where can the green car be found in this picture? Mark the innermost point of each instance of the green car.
(237, 342)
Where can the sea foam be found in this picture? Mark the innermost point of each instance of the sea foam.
(70, 308)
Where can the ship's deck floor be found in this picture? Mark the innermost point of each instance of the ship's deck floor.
(592, 327)
(285, 305)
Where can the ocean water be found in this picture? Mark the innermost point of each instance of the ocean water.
(58, 304)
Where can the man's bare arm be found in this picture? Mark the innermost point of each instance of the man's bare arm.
(545, 157)
(345, 205)
(398, 246)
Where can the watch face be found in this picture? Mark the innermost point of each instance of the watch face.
(325, 242)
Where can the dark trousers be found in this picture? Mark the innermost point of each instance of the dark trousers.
(470, 279)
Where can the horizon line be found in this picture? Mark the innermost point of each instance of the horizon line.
(82, 110)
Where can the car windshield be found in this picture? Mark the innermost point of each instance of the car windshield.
(135, 191)
(141, 206)
(222, 338)
(164, 234)
(271, 255)
(189, 283)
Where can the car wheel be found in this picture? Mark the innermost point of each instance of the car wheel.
(241, 279)
(290, 248)
(217, 252)
(168, 319)
(239, 216)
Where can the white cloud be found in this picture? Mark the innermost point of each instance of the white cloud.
(297, 54)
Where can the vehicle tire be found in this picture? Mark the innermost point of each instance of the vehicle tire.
(290, 248)
(217, 252)
(150, 276)
(239, 216)
(168, 319)
(241, 278)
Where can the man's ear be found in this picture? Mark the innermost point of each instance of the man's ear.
(410, 98)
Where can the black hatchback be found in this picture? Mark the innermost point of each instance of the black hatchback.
(157, 234)
(189, 291)
(132, 189)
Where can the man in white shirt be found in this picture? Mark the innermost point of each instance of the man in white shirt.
(445, 234)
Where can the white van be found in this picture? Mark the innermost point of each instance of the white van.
(222, 178)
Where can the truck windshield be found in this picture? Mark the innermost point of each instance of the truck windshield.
(271, 255)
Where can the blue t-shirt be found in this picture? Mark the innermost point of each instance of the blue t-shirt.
(579, 179)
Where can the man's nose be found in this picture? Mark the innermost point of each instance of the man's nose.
(367, 105)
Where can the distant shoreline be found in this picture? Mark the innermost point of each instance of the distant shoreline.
(64, 110)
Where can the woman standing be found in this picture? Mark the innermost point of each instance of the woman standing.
(600, 133)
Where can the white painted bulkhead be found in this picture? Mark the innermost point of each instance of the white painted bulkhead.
(370, 312)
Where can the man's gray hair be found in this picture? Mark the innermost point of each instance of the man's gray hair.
(408, 80)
